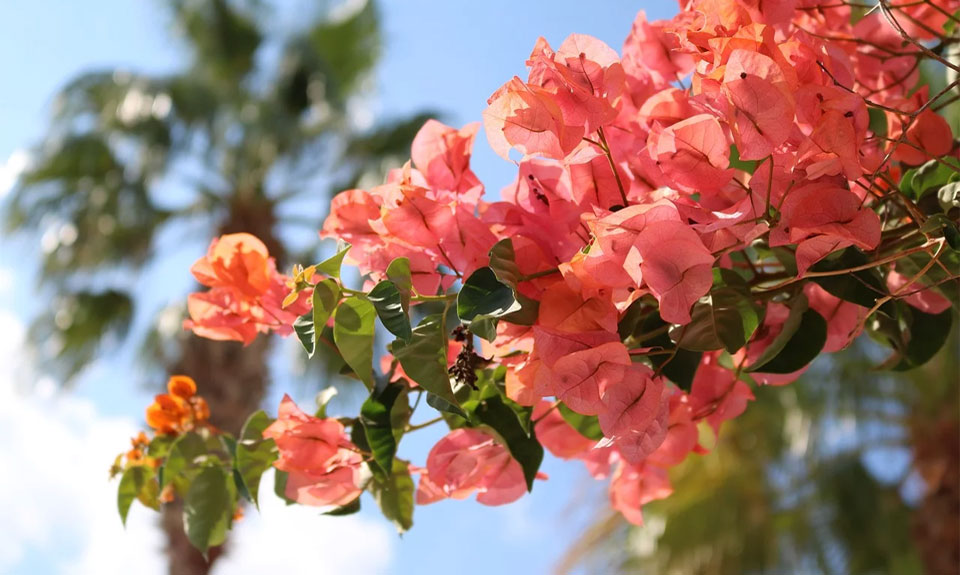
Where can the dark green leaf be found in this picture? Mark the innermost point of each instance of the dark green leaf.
(683, 367)
(378, 424)
(724, 319)
(255, 455)
(303, 327)
(926, 334)
(424, 357)
(208, 508)
(483, 294)
(800, 341)
(326, 296)
(524, 447)
(444, 406)
(353, 330)
(862, 287)
(388, 301)
(348, 509)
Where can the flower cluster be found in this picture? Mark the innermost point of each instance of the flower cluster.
(179, 410)
(246, 295)
(749, 185)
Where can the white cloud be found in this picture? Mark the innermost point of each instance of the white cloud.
(10, 170)
(299, 540)
(59, 509)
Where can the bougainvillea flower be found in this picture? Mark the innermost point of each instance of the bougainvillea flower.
(581, 378)
(442, 154)
(763, 109)
(529, 119)
(918, 295)
(717, 395)
(468, 461)
(633, 486)
(180, 410)
(694, 154)
(558, 436)
(247, 293)
(822, 218)
(322, 465)
(844, 318)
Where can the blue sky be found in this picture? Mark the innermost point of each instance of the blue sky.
(448, 56)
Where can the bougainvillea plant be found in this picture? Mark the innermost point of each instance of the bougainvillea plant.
(747, 186)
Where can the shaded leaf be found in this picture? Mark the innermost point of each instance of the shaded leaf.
(376, 416)
(394, 494)
(353, 331)
(388, 301)
(800, 341)
(523, 446)
(255, 455)
(424, 358)
(208, 508)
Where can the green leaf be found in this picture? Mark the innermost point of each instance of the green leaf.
(353, 330)
(748, 166)
(586, 425)
(424, 357)
(375, 414)
(483, 294)
(930, 177)
(348, 509)
(322, 399)
(949, 196)
(326, 296)
(862, 287)
(800, 341)
(683, 367)
(444, 406)
(524, 447)
(185, 453)
(280, 485)
(400, 413)
(303, 327)
(399, 273)
(394, 494)
(723, 319)
(503, 262)
(208, 508)
(388, 301)
(137, 482)
(160, 446)
(331, 266)
(255, 455)
(925, 335)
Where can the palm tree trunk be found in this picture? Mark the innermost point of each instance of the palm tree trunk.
(936, 521)
(232, 378)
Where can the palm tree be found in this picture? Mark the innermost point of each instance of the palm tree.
(788, 488)
(255, 120)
